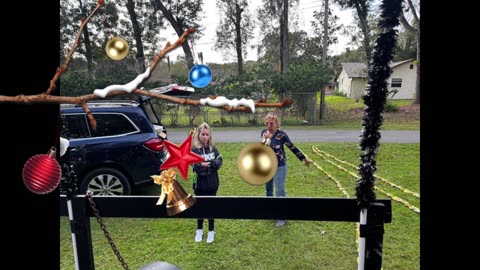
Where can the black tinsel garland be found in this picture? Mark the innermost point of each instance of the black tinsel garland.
(376, 93)
(68, 185)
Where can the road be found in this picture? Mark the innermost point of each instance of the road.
(333, 136)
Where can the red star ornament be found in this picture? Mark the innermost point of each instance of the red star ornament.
(181, 157)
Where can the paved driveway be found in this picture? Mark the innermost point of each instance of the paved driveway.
(388, 136)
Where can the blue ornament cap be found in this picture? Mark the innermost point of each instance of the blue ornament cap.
(200, 76)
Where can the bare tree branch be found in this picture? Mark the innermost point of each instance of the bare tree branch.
(169, 47)
(64, 67)
(414, 12)
(44, 98)
(47, 98)
(407, 26)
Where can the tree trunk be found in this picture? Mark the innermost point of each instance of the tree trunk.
(137, 33)
(284, 38)
(416, 32)
(177, 26)
(238, 38)
(88, 53)
(88, 47)
(362, 12)
(417, 82)
(325, 34)
(324, 59)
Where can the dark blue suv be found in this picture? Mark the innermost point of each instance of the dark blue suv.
(122, 152)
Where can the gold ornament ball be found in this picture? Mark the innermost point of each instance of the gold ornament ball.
(257, 163)
(117, 48)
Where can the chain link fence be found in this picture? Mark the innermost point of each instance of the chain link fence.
(304, 110)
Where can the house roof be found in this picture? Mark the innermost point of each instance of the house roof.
(355, 70)
(392, 65)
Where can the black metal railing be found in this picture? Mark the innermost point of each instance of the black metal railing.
(319, 209)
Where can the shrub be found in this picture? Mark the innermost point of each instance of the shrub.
(390, 107)
(217, 123)
(252, 121)
(338, 93)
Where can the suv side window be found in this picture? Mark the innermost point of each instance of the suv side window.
(77, 126)
(112, 124)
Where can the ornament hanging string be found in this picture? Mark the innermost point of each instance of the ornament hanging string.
(193, 51)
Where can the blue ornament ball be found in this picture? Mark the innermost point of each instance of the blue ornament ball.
(200, 76)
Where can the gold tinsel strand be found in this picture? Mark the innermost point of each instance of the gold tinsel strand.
(402, 201)
(397, 199)
(415, 194)
(340, 187)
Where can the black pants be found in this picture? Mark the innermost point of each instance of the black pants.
(211, 222)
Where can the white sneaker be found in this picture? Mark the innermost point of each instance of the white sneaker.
(210, 236)
(280, 223)
(198, 235)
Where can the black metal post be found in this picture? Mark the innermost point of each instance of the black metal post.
(80, 226)
(373, 232)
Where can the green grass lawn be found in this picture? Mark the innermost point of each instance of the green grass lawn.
(343, 104)
(345, 113)
(258, 244)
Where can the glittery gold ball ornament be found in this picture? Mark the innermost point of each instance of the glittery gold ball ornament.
(117, 48)
(257, 163)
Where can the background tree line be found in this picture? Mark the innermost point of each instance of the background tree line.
(289, 59)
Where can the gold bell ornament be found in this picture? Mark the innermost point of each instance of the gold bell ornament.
(257, 163)
(181, 200)
(117, 48)
(177, 199)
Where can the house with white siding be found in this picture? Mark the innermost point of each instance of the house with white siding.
(352, 80)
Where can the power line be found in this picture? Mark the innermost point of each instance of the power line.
(303, 8)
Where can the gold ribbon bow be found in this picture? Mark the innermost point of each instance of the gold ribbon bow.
(165, 179)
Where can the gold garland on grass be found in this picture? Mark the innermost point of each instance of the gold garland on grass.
(415, 194)
(395, 198)
(344, 191)
(339, 186)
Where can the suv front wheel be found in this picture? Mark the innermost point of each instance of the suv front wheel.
(106, 181)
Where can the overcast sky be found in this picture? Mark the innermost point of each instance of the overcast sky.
(207, 42)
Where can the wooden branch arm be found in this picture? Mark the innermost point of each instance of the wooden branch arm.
(44, 98)
(64, 67)
(170, 47)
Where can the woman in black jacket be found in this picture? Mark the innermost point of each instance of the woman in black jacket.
(206, 174)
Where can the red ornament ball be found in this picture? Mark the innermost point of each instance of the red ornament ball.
(41, 173)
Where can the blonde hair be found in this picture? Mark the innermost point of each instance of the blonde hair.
(198, 142)
(274, 117)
